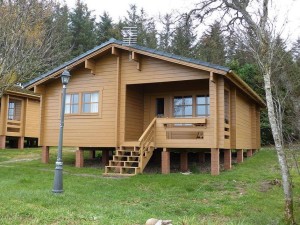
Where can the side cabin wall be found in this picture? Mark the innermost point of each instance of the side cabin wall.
(247, 123)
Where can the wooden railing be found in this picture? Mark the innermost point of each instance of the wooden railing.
(13, 127)
(147, 144)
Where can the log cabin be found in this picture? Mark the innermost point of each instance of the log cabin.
(19, 118)
(138, 101)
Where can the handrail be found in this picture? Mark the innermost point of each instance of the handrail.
(145, 143)
(148, 128)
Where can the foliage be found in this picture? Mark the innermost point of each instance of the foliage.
(82, 29)
(28, 42)
(211, 47)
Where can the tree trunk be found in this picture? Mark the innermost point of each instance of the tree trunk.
(286, 178)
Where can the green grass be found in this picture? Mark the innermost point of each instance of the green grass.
(240, 196)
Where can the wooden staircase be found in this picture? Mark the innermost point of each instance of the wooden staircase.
(132, 157)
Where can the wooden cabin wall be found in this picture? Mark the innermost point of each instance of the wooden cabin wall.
(134, 113)
(243, 122)
(32, 118)
(83, 129)
(3, 115)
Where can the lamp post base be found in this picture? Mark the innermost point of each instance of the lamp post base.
(58, 178)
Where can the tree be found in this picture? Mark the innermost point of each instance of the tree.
(28, 42)
(146, 28)
(105, 28)
(257, 31)
(82, 28)
(211, 47)
(167, 32)
(184, 39)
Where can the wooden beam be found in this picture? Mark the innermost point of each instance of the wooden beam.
(136, 57)
(115, 51)
(90, 64)
(212, 77)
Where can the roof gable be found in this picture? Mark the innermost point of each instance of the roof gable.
(141, 50)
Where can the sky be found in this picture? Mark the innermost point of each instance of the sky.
(117, 9)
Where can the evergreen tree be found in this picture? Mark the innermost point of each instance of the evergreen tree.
(211, 47)
(166, 35)
(146, 28)
(184, 39)
(105, 28)
(60, 24)
(82, 28)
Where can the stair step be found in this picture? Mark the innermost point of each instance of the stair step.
(127, 152)
(122, 170)
(125, 158)
(122, 163)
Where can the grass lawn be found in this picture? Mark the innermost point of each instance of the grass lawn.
(243, 195)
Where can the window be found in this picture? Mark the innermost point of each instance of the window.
(90, 102)
(183, 106)
(72, 103)
(202, 105)
(14, 109)
(11, 110)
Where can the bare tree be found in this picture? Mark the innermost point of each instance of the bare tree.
(252, 20)
(28, 41)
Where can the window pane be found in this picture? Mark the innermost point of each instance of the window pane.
(201, 110)
(95, 97)
(86, 97)
(68, 99)
(207, 100)
(86, 108)
(178, 101)
(94, 107)
(67, 109)
(178, 111)
(208, 110)
(188, 100)
(188, 110)
(201, 100)
(74, 109)
(75, 98)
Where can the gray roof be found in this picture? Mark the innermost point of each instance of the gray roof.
(114, 41)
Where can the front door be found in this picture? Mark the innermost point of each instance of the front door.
(160, 107)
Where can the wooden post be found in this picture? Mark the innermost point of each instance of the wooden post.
(79, 162)
(21, 143)
(105, 157)
(184, 161)
(2, 142)
(92, 154)
(201, 156)
(249, 153)
(215, 161)
(227, 159)
(165, 162)
(45, 154)
(240, 155)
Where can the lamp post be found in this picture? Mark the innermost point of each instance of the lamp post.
(58, 176)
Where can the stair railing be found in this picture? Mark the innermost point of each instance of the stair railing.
(145, 141)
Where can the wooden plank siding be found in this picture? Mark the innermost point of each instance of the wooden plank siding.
(134, 113)
(127, 105)
(88, 130)
(243, 122)
(32, 118)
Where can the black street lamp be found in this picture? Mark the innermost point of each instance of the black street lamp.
(58, 176)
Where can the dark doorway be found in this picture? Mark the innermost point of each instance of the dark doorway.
(160, 107)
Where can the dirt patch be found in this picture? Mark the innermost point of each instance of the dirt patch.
(268, 185)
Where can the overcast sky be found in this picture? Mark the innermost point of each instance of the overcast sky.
(117, 9)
